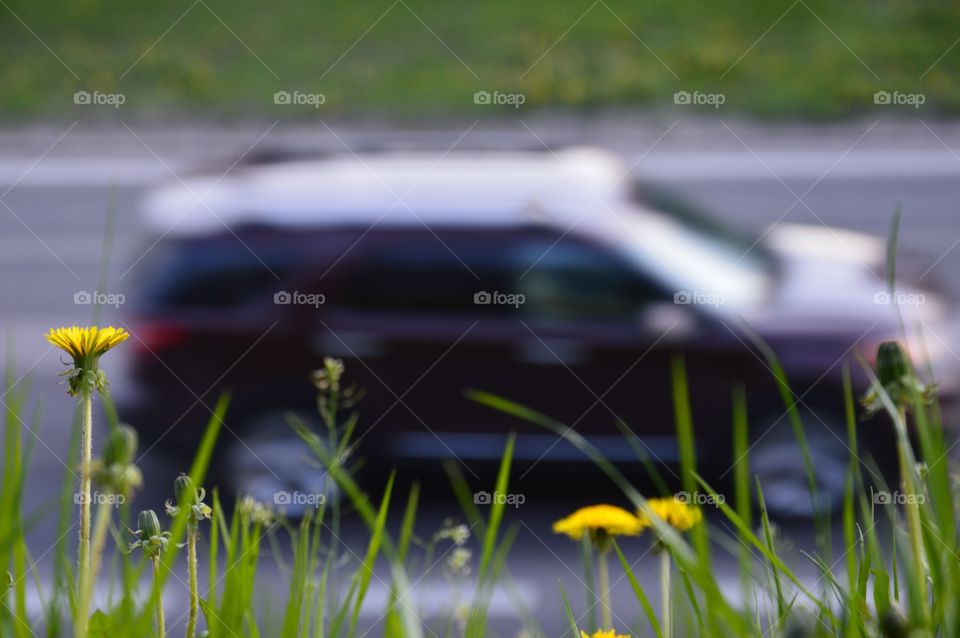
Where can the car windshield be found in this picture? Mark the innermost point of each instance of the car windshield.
(692, 256)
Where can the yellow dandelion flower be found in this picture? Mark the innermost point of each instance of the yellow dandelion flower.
(602, 520)
(673, 512)
(603, 634)
(85, 346)
(84, 343)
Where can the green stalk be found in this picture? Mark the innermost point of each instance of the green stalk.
(100, 527)
(161, 631)
(603, 573)
(665, 591)
(194, 593)
(907, 471)
(83, 551)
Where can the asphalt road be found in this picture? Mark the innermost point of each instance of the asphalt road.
(54, 196)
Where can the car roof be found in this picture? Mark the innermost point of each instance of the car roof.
(395, 188)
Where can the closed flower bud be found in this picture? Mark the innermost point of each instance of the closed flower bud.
(149, 524)
(188, 498)
(121, 447)
(115, 470)
(149, 537)
(896, 379)
(184, 491)
(892, 365)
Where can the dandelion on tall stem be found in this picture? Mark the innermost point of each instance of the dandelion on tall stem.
(85, 347)
(680, 516)
(601, 523)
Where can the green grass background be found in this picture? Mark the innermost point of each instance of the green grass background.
(799, 68)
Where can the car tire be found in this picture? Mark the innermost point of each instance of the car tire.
(777, 462)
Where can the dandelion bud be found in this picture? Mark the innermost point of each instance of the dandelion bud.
(184, 491)
(115, 470)
(892, 364)
(149, 537)
(121, 447)
(896, 379)
(149, 524)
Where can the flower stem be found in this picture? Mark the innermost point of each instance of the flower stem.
(100, 527)
(603, 574)
(194, 592)
(665, 590)
(83, 549)
(161, 631)
(908, 476)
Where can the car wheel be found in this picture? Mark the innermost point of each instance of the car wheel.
(776, 460)
(272, 464)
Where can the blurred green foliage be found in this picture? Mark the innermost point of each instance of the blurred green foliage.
(808, 58)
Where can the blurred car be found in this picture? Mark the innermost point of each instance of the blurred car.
(540, 277)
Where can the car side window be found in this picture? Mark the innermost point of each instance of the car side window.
(508, 275)
(572, 280)
(424, 275)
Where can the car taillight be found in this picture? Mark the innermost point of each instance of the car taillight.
(156, 337)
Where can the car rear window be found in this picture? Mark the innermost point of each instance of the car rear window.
(225, 274)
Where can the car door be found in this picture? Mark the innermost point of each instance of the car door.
(410, 317)
(599, 337)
